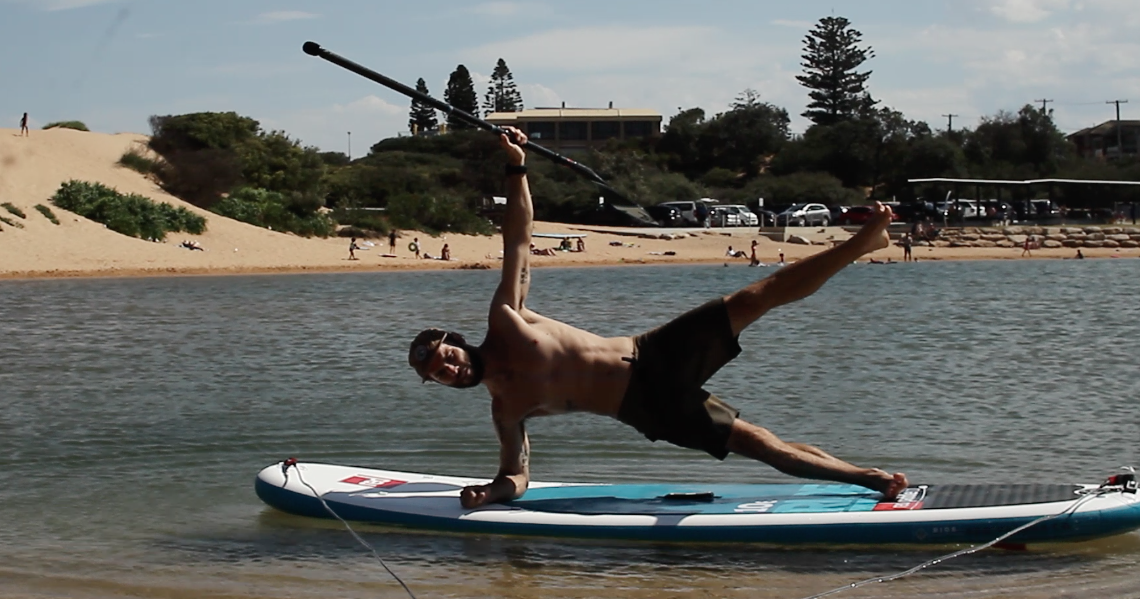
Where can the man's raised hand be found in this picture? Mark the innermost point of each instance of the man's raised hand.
(515, 153)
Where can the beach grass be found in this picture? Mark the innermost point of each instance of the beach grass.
(44, 210)
(10, 222)
(10, 207)
(135, 161)
(129, 214)
(77, 125)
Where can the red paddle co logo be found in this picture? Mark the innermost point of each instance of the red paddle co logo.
(909, 499)
(372, 482)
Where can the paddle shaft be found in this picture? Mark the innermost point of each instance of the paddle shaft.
(315, 49)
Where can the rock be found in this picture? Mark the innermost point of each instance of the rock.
(982, 243)
(1005, 243)
(1071, 230)
(798, 240)
(1091, 230)
(970, 237)
(1056, 237)
(1017, 239)
(1130, 230)
(1112, 230)
(1129, 244)
(1092, 243)
(921, 244)
(1051, 244)
(1108, 243)
(941, 244)
(1098, 236)
(961, 244)
(1078, 236)
(1072, 243)
(1119, 237)
(1013, 231)
(647, 236)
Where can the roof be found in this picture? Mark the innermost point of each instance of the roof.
(573, 113)
(1104, 128)
(1026, 182)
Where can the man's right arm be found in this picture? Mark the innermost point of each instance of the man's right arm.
(514, 465)
(517, 223)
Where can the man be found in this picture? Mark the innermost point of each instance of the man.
(535, 366)
(24, 125)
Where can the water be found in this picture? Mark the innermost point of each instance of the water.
(134, 414)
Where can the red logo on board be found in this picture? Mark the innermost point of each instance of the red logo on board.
(909, 499)
(372, 482)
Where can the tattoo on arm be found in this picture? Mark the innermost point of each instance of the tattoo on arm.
(523, 276)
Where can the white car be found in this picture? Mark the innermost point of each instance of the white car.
(805, 215)
(745, 217)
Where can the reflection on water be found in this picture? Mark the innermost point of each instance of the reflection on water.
(135, 413)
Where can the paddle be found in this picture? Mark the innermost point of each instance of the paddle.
(315, 49)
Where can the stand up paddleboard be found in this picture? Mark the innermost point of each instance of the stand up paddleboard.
(763, 513)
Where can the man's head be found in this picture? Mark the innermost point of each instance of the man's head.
(446, 358)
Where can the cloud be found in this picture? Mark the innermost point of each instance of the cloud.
(802, 25)
(55, 5)
(285, 15)
(498, 9)
(1027, 11)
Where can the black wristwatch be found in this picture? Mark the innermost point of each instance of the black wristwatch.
(516, 169)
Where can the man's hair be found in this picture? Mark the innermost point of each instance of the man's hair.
(427, 343)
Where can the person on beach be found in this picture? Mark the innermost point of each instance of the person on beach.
(445, 253)
(536, 366)
(392, 241)
(907, 242)
(352, 247)
(754, 261)
(415, 246)
(1025, 248)
(24, 125)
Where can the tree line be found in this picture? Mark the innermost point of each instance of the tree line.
(856, 150)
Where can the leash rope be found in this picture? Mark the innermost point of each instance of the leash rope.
(1088, 494)
(292, 462)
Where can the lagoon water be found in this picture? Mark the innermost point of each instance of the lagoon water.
(134, 414)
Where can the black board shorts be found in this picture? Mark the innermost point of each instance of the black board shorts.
(664, 399)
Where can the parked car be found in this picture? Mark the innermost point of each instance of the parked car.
(745, 217)
(837, 212)
(767, 217)
(719, 216)
(666, 215)
(969, 208)
(801, 215)
(858, 215)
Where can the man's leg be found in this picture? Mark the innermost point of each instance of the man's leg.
(803, 278)
(806, 461)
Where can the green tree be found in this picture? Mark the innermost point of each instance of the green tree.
(678, 145)
(831, 56)
(742, 138)
(422, 116)
(502, 94)
(460, 93)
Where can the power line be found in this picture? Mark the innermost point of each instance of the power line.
(1043, 102)
(950, 122)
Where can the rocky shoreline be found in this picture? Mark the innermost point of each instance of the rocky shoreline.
(1043, 237)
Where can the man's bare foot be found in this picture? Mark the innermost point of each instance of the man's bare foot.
(890, 485)
(873, 236)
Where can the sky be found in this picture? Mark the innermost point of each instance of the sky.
(114, 63)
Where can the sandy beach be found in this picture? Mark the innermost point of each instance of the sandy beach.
(32, 169)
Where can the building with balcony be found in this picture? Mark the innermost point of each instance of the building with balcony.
(569, 129)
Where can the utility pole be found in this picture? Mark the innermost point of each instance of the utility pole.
(1119, 143)
(950, 122)
(350, 145)
(1044, 103)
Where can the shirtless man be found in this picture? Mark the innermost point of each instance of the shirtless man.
(535, 366)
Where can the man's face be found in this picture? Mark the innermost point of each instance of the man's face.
(451, 366)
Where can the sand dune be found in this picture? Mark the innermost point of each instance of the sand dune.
(32, 169)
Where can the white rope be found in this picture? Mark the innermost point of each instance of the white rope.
(285, 470)
(1090, 493)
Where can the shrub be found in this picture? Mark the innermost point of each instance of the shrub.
(276, 211)
(13, 209)
(77, 125)
(134, 160)
(435, 214)
(44, 210)
(129, 214)
(10, 222)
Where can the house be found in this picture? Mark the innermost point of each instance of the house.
(568, 129)
(1101, 141)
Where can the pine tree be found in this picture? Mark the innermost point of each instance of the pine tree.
(502, 95)
(460, 94)
(831, 57)
(422, 116)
